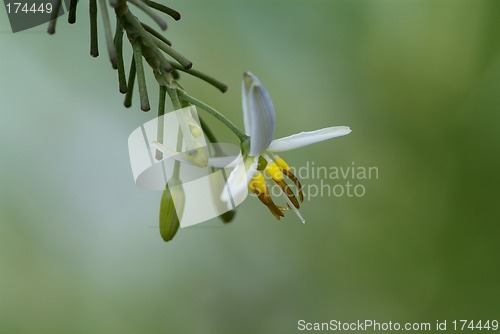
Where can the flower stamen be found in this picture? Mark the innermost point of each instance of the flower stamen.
(288, 192)
(258, 186)
(296, 181)
(266, 199)
(286, 170)
(276, 173)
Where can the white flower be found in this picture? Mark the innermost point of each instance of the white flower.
(261, 157)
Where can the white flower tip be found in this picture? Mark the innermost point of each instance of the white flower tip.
(258, 112)
(248, 78)
(250, 81)
(338, 131)
(348, 130)
(247, 75)
(307, 138)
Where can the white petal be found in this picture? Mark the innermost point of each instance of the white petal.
(237, 182)
(246, 107)
(223, 162)
(251, 167)
(307, 138)
(258, 113)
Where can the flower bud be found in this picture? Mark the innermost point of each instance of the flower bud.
(171, 208)
(228, 216)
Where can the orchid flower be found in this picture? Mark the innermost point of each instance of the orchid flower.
(260, 150)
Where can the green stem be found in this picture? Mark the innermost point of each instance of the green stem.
(177, 163)
(94, 44)
(72, 11)
(173, 93)
(185, 97)
(186, 64)
(207, 131)
(107, 33)
(200, 75)
(141, 5)
(150, 50)
(122, 81)
(141, 78)
(162, 8)
(212, 140)
(130, 88)
(53, 17)
(156, 33)
(161, 120)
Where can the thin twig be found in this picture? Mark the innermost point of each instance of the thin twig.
(107, 33)
(122, 82)
(141, 5)
(154, 57)
(186, 64)
(161, 120)
(130, 88)
(72, 11)
(155, 33)
(214, 82)
(53, 17)
(141, 78)
(185, 97)
(94, 44)
(162, 8)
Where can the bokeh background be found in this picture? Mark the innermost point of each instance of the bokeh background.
(417, 81)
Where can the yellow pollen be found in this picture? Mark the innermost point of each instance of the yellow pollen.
(274, 171)
(258, 184)
(282, 164)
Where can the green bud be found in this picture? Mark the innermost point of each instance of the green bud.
(169, 220)
(228, 217)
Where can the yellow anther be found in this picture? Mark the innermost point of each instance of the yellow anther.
(282, 164)
(258, 184)
(274, 171)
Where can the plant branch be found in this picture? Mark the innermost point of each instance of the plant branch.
(185, 97)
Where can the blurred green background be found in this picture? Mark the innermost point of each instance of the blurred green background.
(417, 81)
